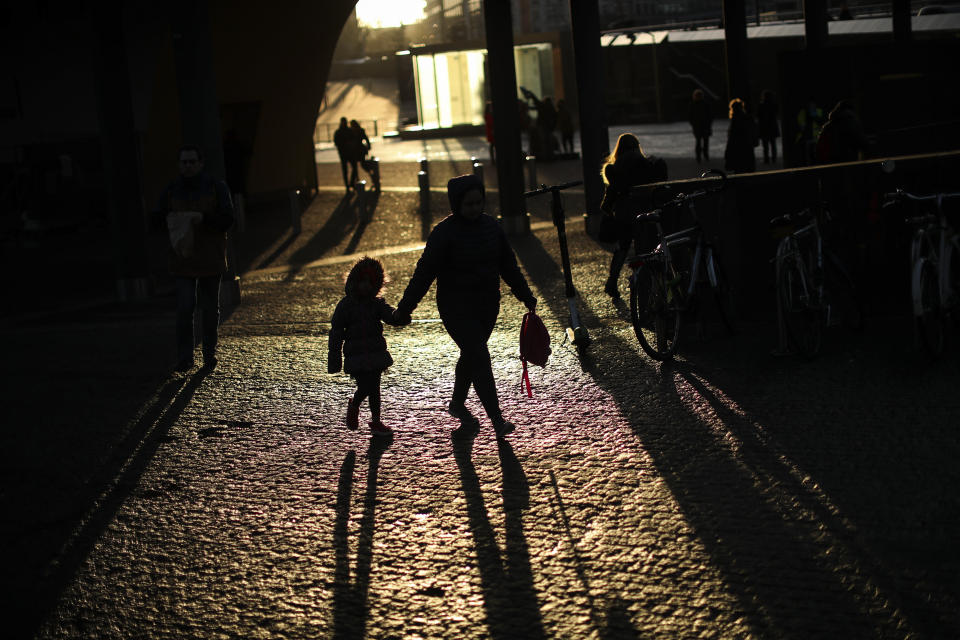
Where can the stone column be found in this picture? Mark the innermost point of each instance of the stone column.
(506, 126)
(588, 62)
(121, 161)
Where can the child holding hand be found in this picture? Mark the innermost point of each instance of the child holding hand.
(357, 331)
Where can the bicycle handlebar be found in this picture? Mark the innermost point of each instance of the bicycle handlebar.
(894, 196)
(557, 187)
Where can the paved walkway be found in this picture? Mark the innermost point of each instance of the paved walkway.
(727, 495)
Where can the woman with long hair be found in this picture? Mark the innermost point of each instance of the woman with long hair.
(626, 167)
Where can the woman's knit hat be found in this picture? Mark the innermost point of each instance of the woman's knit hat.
(458, 187)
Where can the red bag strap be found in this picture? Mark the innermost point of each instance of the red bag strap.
(525, 380)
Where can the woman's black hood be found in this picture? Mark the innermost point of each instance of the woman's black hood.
(458, 187)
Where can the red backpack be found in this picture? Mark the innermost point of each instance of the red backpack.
(534, 345)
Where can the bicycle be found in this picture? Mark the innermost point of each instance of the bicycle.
(814, 290)
(935, 269)
(662, 291)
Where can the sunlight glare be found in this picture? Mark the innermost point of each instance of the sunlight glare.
(389, 13)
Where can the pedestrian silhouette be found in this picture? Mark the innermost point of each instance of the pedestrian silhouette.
(356, 342)
(565, 126)
(701, 119)
(842, 138)
(626, 167)
(809, 122)
(467, 253)
(741, 139)
(768, 126)
(488, 129)
(196, 211)
(360, 149)
(344, 139)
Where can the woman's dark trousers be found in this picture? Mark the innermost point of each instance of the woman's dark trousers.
(469, 319)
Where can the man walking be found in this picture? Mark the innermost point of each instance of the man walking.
(197, 211)
(346, 141)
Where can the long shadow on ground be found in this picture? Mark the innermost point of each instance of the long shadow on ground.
(351, 607)
(509, 597)
(105, 493)
(782, 547)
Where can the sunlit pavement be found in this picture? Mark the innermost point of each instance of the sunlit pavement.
(668, 140)
(727, 495)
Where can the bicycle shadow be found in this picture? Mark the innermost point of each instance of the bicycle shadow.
(509, 596)
(351, 607)
(719, 492)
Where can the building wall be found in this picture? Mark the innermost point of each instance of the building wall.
(270, 66)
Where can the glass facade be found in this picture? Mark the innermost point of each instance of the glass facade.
(450, 85)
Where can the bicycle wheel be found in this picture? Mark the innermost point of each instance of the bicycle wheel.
(927, 309)
(722, 294)
(802, 315)
(841, 296)
(654, 312)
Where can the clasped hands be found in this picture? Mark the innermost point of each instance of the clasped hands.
(403, 318)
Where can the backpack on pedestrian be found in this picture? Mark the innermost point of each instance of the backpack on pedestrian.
(534, 346)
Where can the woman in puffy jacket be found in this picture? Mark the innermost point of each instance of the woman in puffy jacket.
(467, 253)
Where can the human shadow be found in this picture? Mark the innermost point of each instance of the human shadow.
(364, 215)
(351, 606)
(342, 221)
(106, 492)
(509, 597)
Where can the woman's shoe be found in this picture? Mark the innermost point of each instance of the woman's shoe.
(503, 427)
(611, 289)
(380, 429)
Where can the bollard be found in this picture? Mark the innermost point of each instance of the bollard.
(425, 166)
(478, 168)
(362, 201)
(295, 210)
(240, 211)
(530, 163)
(424, 181)
(375, 172)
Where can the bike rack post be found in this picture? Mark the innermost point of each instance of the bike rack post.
(240, 211)
(295, 210)
(375, 172)
(362, 201)
(530, 164)
(423, 180)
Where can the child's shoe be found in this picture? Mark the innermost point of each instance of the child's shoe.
(380, 429)
(353, 415)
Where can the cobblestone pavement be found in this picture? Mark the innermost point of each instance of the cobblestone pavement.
(726, 495)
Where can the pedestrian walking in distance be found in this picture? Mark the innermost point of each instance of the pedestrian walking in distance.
(702, 122)
(626, 167)
(769, 127)
(345, 140)
(741, 139)
(467, 253)
(197, 211)
(362, 147)
(356, 342)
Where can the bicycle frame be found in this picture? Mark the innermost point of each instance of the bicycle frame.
(810, 270)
